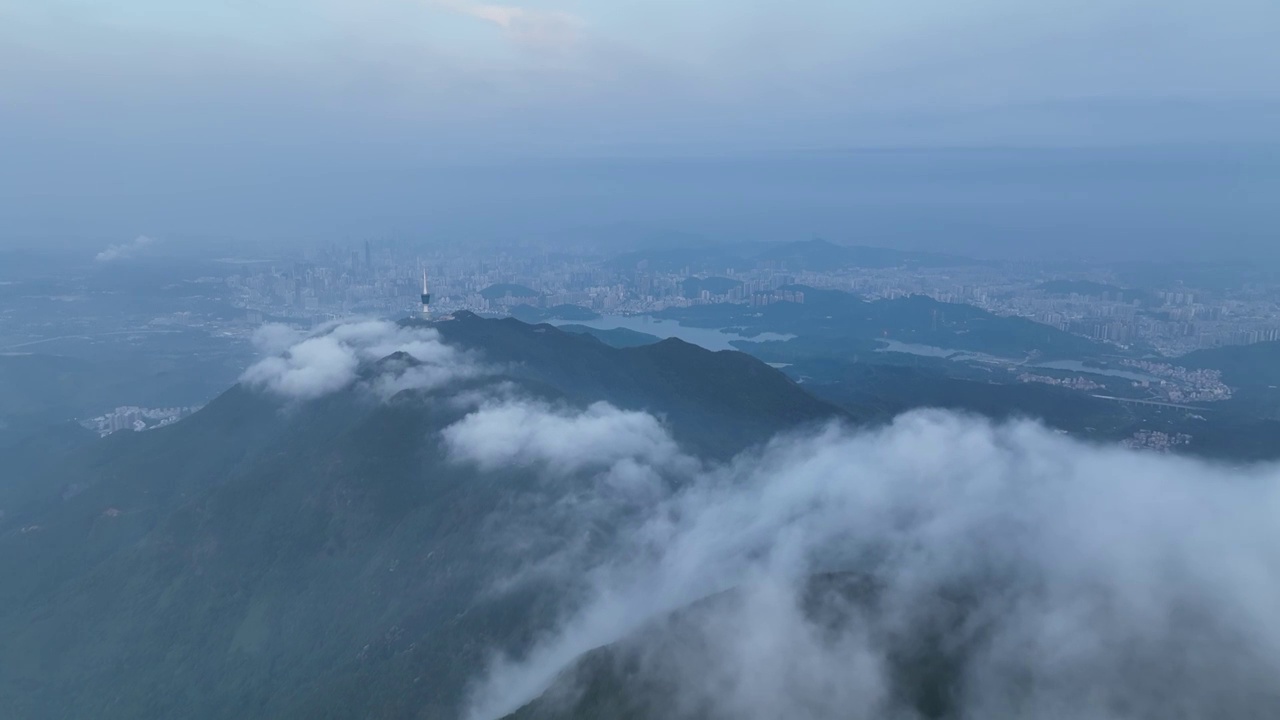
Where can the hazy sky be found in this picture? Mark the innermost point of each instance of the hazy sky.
(581, 73)
(116, 104)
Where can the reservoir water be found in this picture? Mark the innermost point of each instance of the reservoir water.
(961, 355)
(933, 351)
(914, 349)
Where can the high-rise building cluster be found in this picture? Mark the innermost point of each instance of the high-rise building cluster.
(136, 419)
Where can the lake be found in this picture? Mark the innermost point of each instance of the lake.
(709, 338)
(961, 355)
(914, 349)
(934, 351)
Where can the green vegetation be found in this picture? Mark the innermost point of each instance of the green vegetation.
(265, 559)
(321, 560)
(616, 337)
(888, 390)
(881, 391)
(1243, 366)
(836, 324)
(44, 388)
(716, 401)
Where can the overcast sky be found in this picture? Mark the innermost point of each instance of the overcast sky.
(109, 100)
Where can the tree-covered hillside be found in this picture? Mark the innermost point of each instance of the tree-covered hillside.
(324, 557)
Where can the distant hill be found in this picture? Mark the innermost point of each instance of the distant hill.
(531, 314)
(893, 389)
(27, 453)
(49, 387)
(615, 337)
(39, 389)
(820, 254)
(691, 258)
(880, 390)
(1244, 366)
(495, 292)
(833, 323)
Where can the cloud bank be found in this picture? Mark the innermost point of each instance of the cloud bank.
(306, 366)
(1060, 579)
(516, 433)
(123, 251)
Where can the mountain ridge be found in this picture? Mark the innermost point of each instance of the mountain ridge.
(317, 558)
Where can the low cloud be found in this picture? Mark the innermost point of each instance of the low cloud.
(122, 251)
(528, 434)
(306, 366)
(1063, 579)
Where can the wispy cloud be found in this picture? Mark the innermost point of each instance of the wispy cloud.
(121, 251)
(520, 433)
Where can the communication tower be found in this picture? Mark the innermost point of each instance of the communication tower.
(426, 298)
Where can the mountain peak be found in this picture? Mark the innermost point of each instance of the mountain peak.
(185, 549)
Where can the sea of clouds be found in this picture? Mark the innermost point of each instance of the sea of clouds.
(1105, 583)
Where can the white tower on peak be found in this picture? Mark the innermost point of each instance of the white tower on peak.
(426, 298)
